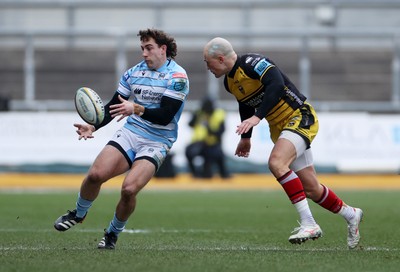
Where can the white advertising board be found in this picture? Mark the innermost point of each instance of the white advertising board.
(350, 142)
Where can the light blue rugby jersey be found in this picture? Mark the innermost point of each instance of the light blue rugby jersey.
(147, 87)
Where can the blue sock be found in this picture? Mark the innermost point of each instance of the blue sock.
(82, 206)
(116, 225)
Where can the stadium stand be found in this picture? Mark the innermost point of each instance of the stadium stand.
(330, 49)
(336, 76)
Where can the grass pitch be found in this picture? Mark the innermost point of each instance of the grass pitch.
(195, 231)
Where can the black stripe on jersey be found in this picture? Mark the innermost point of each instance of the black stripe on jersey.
(277, 110)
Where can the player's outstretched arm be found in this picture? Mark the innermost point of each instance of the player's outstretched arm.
(84, 131)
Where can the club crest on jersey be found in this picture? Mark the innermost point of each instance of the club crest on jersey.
(292, 122)
(240, 87)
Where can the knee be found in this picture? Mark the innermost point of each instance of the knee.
(129, 192)
(277, 166)
(95, 176)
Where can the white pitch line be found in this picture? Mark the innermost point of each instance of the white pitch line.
(137, 231)
(212, 249)
(186, 248)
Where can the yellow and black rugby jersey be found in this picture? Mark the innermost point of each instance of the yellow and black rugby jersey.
(258, 83)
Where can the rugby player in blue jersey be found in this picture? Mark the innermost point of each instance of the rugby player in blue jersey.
(151, 95)
(263, 91)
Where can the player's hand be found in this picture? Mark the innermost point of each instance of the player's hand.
(84, 131)
(124, 109)
(243, 148)
(247, 124)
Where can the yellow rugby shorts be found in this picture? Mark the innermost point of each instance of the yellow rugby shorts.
(303, 121)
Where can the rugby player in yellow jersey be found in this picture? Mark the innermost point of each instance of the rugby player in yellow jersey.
(263, 91)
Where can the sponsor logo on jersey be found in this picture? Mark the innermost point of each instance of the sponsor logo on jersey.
(293, 96)
(261, 66)
(126, 76)
(137, 91)
(158, 157)
(255, 101)
(255, 61)
(177, 95)
(151, 95)
(179, 75)
(179, 84)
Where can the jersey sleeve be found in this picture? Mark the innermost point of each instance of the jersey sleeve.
(262, 67)
(178, 86)
(123, 86)
(269, 75)
(246, 112)
(171, 101)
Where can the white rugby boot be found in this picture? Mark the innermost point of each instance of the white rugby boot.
(305, 233)
(353, 234)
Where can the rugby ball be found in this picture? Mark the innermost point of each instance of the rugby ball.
(89, 106)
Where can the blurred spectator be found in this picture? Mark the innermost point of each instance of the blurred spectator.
(208, 126)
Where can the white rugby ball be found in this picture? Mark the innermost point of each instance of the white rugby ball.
(89, 106)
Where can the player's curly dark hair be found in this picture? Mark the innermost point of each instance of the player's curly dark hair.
(161, 38)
